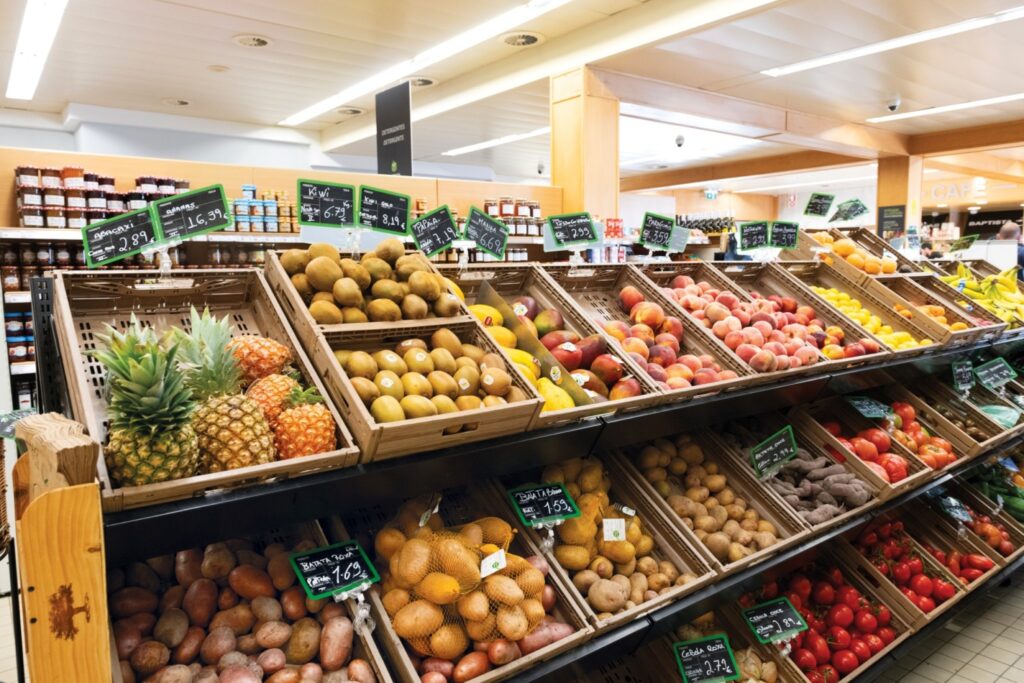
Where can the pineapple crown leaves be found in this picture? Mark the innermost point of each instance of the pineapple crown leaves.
(299, 397)
(211, 368)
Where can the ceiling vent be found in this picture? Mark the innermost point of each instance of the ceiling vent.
(422, 81)
(522, 39)
(251, 40)
(350, 111)
(175, 102)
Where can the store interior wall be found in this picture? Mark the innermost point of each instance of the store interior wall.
(792, 205)
(633, 206)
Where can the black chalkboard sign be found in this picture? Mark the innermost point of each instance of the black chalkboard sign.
(572, 228)
(963, 375)
(784, 235)
(892, 218)
(119, 237)
(384, 211)
(963, 244)
(193, 213)
(868, 407)
(334, 569)
(819, 204)
(434, 231)
(543, 504)
(753, 235)
(656, 232)
(490, 234)
(326, 205)
(770, 454)
(774, 621)
(995, 373)
(848, 210)
(706, 660)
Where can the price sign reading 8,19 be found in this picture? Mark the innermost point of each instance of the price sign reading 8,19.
(774, 621)
(337, 568)
(543, 504)
(384, 211)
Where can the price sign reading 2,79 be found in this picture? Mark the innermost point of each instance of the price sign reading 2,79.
(706, 660)
(543, 504)
(774, 621)
(337, 568)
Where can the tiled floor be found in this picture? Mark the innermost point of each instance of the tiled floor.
(7, 662)
(982, 644)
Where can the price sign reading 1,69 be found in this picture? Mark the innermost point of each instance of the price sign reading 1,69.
(774, 621)
(543, 504)
(337, 568)
(706, 660)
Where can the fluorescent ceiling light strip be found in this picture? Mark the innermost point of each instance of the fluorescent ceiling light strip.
(456, 44)
(819, 183)
(458, 151)
(39, 27)
(902, 41)
(944, 109)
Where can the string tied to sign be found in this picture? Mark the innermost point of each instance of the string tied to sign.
(362, 622)
(547, 543)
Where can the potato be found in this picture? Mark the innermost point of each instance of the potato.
(737, 552)
(726, 496)
(706, 523)
(764, 526)
(126, 638)
(132, 600)
(271, 660)
(336, 643)
(585, 579)
(433, 677)
(231, 659)
(304, 642)
(248, 644)
(763, 539)
(470, 666)
(512, 622)
(715, 482)
(718, 543)
(548, 598)
(293, 603)
(360, 671)
(251, 558)
(438, 665)
(603, 567)
(638, 586)
(188, 649)
(178, 673)
(239, 619)
(188, 566)
(170, 629)
(645, 545)
(743, 537)
(218, 643)
(311, 673)
(413, 561)
(226, 599)
(273, 634)
(286, 676)
(200, 601)
(626, 569)
(658, 581)
(238, 673)
(607, 595)
(501, 652)
(279, 567)
(217, 562)
(149, 657)
(473, 606)
(251, 582)
(646, 565)
(266, 609)
(140, 575)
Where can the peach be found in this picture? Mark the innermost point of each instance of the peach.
(678, 294)
(734, 339)
(747, 351)
(765, 328)
(607, 368)
(712, 292)
(763, 361)
(669, 292)
(796, 331)
(752, 335)
(679, 370)
(728, 299)
(678, 383)
(704, 285)
(742, 315)
(680, 281)
(629, 297)
(642, 332)
(782, 363)
(657, 372)
(661, 355)
(637, 358)
(835, 331)
(693, 289)
(715, 312)
(792, 346)
(870, 345)
(789, 304)
(798, 318)
(724, 327)
(780, 320)
(668, 340)
(833, 351)
(806, 311)
(627, 387)
(807, 355)
(706, 323)
(690, 361)
(776, 348)
(854, 349)
(727, 374)
(708, 297)
(617, 329)
(673, 326)
(816, 322)
(647, 313)
(693, 303)
(705, 376)
(763, 317)
(637, 346)
(777, 336)
(706, 361)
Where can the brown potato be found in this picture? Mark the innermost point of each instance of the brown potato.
(273, 634)
(149, 657)
(188, 566)
(200, 601)
(238, 674)
(248, 645)
(266, 609)
(188, 648)
(218, 643)
(131, 601)
(141, 576)
(280, 570)
(170, 629)
(293, 602)
(178, 673)
(251, 582)
(304, 642)
(227, 599)
(271, 661)
(311, 673)
(330, 611)
(234, 658)
(239, 619)
(336, 643)
(172, 597)
(286, 676)
(126, 638)
(217, 562)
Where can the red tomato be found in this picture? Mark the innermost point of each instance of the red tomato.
(770, 590)
(864, 449)
(818, 647)
(978, 562)
(878, 437)
(942, 590)
(905, 411)
(883, 615)
(849, 596)
(838, 638)
(905, 439)
(835, 577)
(971, 574)
(861, 649)
(868, 538)
(874, 643)
(879, 470)
(941, 443)
(800, 585)
(795, 599)
(824, 593)
(836, 454)
(865, 621)
(916, 565)
(840, 615)
(883, 567)
(884, 530)
(924, 603)
(901, 573)
(895, 466)
(832, 427)
(922, 585)
(805, 659)
(845, 661)
(887, 634)
(814, 677)
(828, 673)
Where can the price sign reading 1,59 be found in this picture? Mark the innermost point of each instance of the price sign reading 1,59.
(543, 504)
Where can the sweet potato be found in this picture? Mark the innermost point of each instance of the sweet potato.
(336, 643)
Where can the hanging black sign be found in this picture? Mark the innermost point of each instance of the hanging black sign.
(995, 373)
(119, 237)
(326, 205)
(848, 210)
(490, 234)
(963, 375)
(543, 504)
(656, 231)
(193, 213)
(434, 231)
(770, 454)
(774, 621)
(819, 204)
(868, 407)
(572, 228)
(394, 130)
(706, 660)
(753, 235)
(784, 235)
(892, 218)
(337, 568)
(384, 211)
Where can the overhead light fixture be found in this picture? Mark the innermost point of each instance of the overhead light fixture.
(902, 41)
(39, 27)
(944, 206)
(457, 44)
(983, 202)
(931, 111)
(504, 140)
(816, 183)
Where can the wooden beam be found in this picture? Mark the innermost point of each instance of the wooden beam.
(991, 136)
(980, 164)
(782, 163)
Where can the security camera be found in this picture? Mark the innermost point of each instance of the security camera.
(680, 140)
(894, 104)
(540, 168)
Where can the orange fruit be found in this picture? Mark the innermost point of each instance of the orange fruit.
(856, 260)
(888, 266)
(844, 247)
(822, 237)
(872, 265)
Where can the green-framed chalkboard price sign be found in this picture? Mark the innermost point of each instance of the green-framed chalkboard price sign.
(326, 205)
(384, 211)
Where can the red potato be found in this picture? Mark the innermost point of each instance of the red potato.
(172, 598)
(188, 649)
(251, 582)
(360, 671)
(126, 638)
(438, 665)
(271, 661)
(548, 598)
(188, 566)
(131, 601)
(336, 643)
(144, 621)
(540, 563)
(293, 602)
(470, 666)
(200, 602)
(501, 652)
(150, 657)
(227, 599)
(433, 677)
(311, 672)
(236, 673)
(285, 676)
(330, 611)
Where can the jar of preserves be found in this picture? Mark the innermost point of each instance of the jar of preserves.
(135, 200)
(79, 257)
(8, 255)
(75, 199)
(53, 196)
(269, 207)
(73, 177)
(153, 197)
(95, 199)
(256, 207)
(249, 191)
(27, 317)
(146, 184)
(32, 217)
(50, 177)
(506, 207)
(30, 196)
(270, 223)
(31, 347)
(14, 325)
(284, 209)
(26, 277)
(165, 185)
(256, 224)
(522, 208)
(115, 202)
(421, 204)
(44, 254)
(242, 256)
(240, 207)
(27, 176)
(257, 256)
(491, 207)
(10, 278)
(23, 393)
(181, 186)
(106, 183)
(76, 218)
(534, 227)
(535, 210)
(243, 223)
(280, 196)
(92, 181)
(62, 255)
(97, 216)
(55, 217)
(17, 349)
(28, 254)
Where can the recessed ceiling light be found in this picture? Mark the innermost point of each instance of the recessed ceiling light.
(218, 68)
(504, 140)
(931, 111)
(251, 40)
(522, 39)
(39, 25)
(901, 41)
(983, 202)
(974, 209)
(350, 111)
(816, 183)
(175, 102)
(422, 81)
(943, 206)
(450, 47)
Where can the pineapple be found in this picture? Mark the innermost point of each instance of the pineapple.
(305, 427)
(270, 393)
(150, 437)
(232, 430)
(260, 356)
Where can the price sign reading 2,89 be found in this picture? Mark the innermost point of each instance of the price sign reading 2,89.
(543, 504)
(193, 213)
(118, 237)
(337, 568)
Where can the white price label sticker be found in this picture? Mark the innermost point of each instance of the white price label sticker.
(625, 509)
(494, 562)
(614, 529)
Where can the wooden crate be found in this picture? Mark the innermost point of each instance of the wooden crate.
(458, 508)
(511, 280)
(84, 301)
(809, 273)
(668, 545)
(928, 527)
(740, 456)
(810, 417)
(379, 441)
(943, 398)
(791, 528)
(594, 289)
(876, 246)
(363, 644)
(985, 506)
(993, 327)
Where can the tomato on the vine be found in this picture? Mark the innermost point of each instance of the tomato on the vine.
(865, 621)
(805, 659)
(824, 593)
(840, 615)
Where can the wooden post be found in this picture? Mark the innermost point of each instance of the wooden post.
(899, 183)
(585, 143)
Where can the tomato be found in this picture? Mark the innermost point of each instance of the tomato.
(874, 643)
(868, 538)
(884, 530)
(805, 659)
(1005, 548)
(824, 593)
(895, 466)
(864, 449)
(818, 647)
(814, 677)
(882, 566)
(865, 621)
(971, 574)
(905, 411)
(901, 573)
(832, 427)
(795, 599)
(878, 437)
(916, 565)
(845, 661)
(835, 577)
(978, 562)
(878, 470)
(861, 649)
(836, 454)
(941, 443)
(849, 596)
(800, 585)
(887, 634)
(838, 638)
(840, 615)
(905, 439)
(883, 615)
(925, 603)
(770, 590)
(942, 590)
(930, 461)
(828, 673)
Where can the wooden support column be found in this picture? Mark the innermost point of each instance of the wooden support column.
(585, 143)
(899, 183)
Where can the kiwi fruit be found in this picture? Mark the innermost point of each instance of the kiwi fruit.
(445, 405)
(406, 291)
(425, 285)
(330, 251)
(415, 405)
(350, 314)
(346, 292)
(446, 339)
(354, 270)
(342, 356)
(322, 296)
(389, 360)
(387, 409)
(414, 308)
(415, 383)
(447, 306)
(515, 394)
(389, 384)
(323, 273)
(419, 361)
(407, 265)
(367, 390)
(295, 260)
(443, 361)
(325, 313)
(466, 362)
(468, 403)
(383, 310)
(467, 380)
(390, 250)
(443, 383)
(474, 352)
(302, 286)
(495, 381)
(411, 343)
(361, 364)
(490, 401)
(491, 360)
(378, 269)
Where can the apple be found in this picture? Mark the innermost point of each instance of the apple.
(854, 349)
(870, 345)
(629, 296)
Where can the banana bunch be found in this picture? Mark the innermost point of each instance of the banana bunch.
(997, 294)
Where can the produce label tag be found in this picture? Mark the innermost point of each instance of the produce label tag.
(774, 621)
(120, 237)
(819, 204)
(784, 235)
(543, 504)
(625, 509)
(194, 213)
(962, 244)
(769, 455)
(868, 407)
(494, 562)
(490, 234)
(656, 232)
(572, 229)
(338, 568)
(1009, 464)
(995, 373)
(753, 236)
(435, 231)
(384, 211)
(955, 509)
(963, 375)
(706, 660)
(614, 529)
(326, 205)
(432, 507)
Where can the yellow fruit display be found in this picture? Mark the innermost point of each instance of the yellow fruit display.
(857, 257)
(852, 308)
(488, 315)
(998, 294)
(555, 398)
